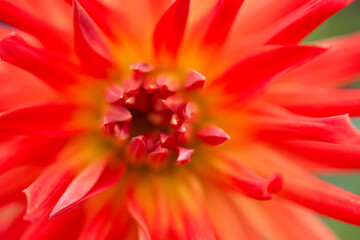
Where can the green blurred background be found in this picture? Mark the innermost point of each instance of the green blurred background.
(344, 22)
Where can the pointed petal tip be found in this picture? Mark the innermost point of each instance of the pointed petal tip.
(90, 43)
(222, 21)
(184, 155)
(212, 135)
(137, 148)
(141, 67)
(170, 29)
(117, 114)
(159, 155)
(194, 80)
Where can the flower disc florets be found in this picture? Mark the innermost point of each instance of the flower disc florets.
(153, 116)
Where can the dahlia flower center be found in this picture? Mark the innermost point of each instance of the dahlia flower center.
(152, 115)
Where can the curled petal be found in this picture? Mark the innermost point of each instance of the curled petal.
(239, 177)
(259, 188)
(303, 188)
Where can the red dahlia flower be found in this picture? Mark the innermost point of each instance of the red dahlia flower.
(159, 119)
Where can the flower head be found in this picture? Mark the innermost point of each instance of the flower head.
(179, 119)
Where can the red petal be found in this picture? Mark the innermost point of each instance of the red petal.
(46, 119)
(319, 103)
(212, 135)
(79, 186)
(12, 225)
(303, 20)
(190, 214)
(219, 207)
(304, 221)
(197, 227)
(14, 181)
(25, 86)
(273, 215)
(222, 21)
(20, 150)
(259, 188)
(343, 57)
(170, 29)
(49, 35)
(52, 69)
(91, 181)
(45, 191)
(89, 44)
(103, 16)
(337, 129)
(99, 226)
(136, 212)
(54, 229)
(325, 199)
(245, 79)
(326, 155)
